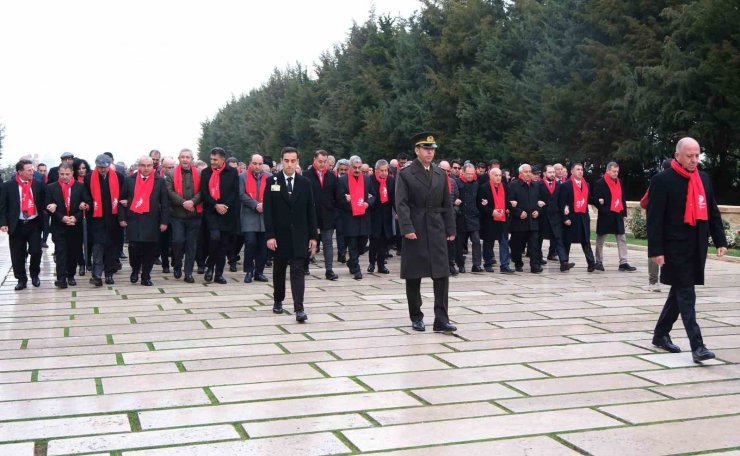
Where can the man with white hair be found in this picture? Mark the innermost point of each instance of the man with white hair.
(524, 224)
(354, 198)
(183, 188)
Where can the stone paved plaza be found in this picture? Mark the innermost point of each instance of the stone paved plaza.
(552, 364)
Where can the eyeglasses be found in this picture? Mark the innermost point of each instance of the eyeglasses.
(455, 167)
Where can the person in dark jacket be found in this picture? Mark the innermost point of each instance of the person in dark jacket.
(524, 223)
(145, 214)
(324, 186)
(495, 209)
(355, 199)
(682, 213)
(381, 233)
(454, 190)
(609, 200)
(219, 190)
(551, 222)
(468, 224)
(66, 158)
(186, 210)
(573, 203)
(252, 188)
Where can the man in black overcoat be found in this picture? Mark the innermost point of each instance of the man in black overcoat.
(682, 213)
(612, 214)
(551, 222)
(356, 226)
(573, 204)
(495, 218)
(324, 186)
(469, 221)
(144, 225)
(381, 233)
(290, 229)
(524, 224)
(63, 199)
(21, 217)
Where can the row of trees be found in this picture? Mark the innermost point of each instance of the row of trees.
(520, 81)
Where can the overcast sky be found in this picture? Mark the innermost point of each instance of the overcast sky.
(127, 77)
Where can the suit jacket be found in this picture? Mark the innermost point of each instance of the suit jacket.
(526, 197)
(469, 209)
(290, 219)
(108, 223)
(229, 186)
(684, 246)
(490, 229)
(382, 213)
(424, 207)
(10, 203)
(251, 220)
(359, 225)
(324, 197)
(609, 222)
(551, 222)
(78, 194)
(53, 175)
(145, 227)
(189, 193)
(580, 223)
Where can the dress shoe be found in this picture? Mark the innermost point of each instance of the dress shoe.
(389, 255)
(146, 282)
(383, 270)
(599, 266)
(248, 277)
(507, 270)
(72, 282)
(462, 270)
(591, 268)
(536, 270)
(666, 344)
(260, 278)
(208, 277)
(109, 279)
(97, 281)
(44, 245)
(371, 268)
(177, 273)
(494, 262)
(201, 269)
(21, 285)
(35, 281)
(476, 269)
(134, 277)
(330, 275)
(342, 258)
(60, 283)
(565, 266)
(552, 257)
(237, 259)
(518, 268)
(543, 262)
(123, 256)
(165, 269)
(301, 316)
(268, 263)
(418, 325)
(219, 279)
(157, 262)
(627, 268)
(306, 271)
(702, 354)
(313, 259)
(444, 327)
(277, 308)
(232, 267)
(189, 278)
(357, 275)
(119, 266)
(81, 271)
(453, 271)
(489, 269)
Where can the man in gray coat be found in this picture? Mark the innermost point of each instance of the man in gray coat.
(252, 186)
(186, 211)
(427, 222)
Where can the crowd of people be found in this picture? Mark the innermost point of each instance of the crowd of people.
(199, 217)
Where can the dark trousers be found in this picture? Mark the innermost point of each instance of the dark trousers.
(413, 295)
(462, 241)
(203, 247)
(184, 242)
(237, 242)
(556, 246)
(105, 256)
(45, 233)
(297, 280)
(356, 247)
(141, 257)
(25, 241)
(67, 250)
(681, 300)
(255, 252)
(520, 239)
(378, 250)
(339, 228)
(220, 243)
(164, 247)
(587, 251)
(451, 253)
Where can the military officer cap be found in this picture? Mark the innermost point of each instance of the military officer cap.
(425, 139)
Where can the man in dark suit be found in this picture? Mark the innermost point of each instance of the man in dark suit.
(381, 232)
(63, 199)
(66, 158)
(21, 212)
(324, 185)
(290, 230)
(427, 222)
(145, 215)
(551, 223)
(609, 200)
(219, 188)
(494, 207)
(354, 198)
(681, 215)
(524, 224)
(573, 205)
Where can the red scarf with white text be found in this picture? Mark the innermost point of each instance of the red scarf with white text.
(383, 189)
(28, 206)
(615, 188)
(357, 194)
(696, 198)
(67, 194)
(580, 197)
(142, 192)
(97, 195)
(499, 201)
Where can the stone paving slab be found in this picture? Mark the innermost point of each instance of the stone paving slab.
(553, 364)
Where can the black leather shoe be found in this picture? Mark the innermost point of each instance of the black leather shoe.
(300, 317)
(277, 308)
(507, 270)
(21, 285)
(35, 281)
(342, 258)
(306, 271)
(476, 269)
(518, 268)
(489, 269)
(666, 344)
(462, 270)
(494, 262)
(543, 262)
(165, 269)
(123, 256)
(158, 261)
(627, 268)
(232, 267)
(357, 275)
(177, 273)
(418, 325)
(248, 277)
(72, 282)
(134, 277)
(536, 270)
(565, 266)
(189, 278)
(219, 279)
(97, 281)
(201, 270)
(453, 271)
(260, 278)
(81, 271)
(591, 268)
(330, 275)
(209, 275)
(60, 283)
(702, 354)
(599, 266)
(444, 327)
(268, 264)
(552, 257)
(383, 270)
(146, 282)
(109, 280)
(371, 268)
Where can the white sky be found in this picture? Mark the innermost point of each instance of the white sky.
(129, 76)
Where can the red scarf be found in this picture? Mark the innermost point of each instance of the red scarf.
(177, 183)
(580, 197)
(615, 188)
(462, 178)
(499, 201)
(251, 186)
(383, 190)
(214, 183)
(696, 198)
(142, 193)
(449, 185)
(321, 175)
(67, 194)
(81, 179)
(357, 194)
(550, 186)
(97, 196)
(28, 205)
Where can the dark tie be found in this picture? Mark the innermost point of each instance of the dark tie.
(290, 185)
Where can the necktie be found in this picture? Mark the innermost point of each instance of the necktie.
(290, 185)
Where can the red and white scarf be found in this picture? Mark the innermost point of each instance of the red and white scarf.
(67, 194)
(28, 205)
(97, 195)
(250, 185)
(214, 183)
(550, 185)
(383, 189)
(580, 197)
(499, 201)
(696, 198)
(321, 175)
(177, 184)
(357, 194)
(142, 192)
(615, 188)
